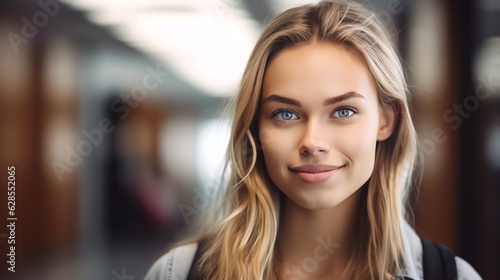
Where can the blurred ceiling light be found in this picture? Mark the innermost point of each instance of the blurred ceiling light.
(134, 5)
(206, 42)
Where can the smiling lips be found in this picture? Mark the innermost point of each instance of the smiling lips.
(315, 173)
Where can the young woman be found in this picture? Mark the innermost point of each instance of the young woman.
(321, 158)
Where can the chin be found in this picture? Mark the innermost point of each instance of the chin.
(320, 199)
(318, 203)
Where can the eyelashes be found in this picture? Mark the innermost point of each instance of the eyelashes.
(286, 115)
(345, 112)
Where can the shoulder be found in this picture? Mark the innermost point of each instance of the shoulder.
(465, 270)
(174, 265)
(413, 260)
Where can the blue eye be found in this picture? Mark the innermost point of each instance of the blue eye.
(344, 113)
(285, 115)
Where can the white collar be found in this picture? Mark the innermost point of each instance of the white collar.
(412, 252)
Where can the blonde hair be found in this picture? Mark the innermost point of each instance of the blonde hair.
(241, 243)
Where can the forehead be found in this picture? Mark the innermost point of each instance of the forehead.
(320, 68)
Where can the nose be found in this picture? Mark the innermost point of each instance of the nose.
(314, 141)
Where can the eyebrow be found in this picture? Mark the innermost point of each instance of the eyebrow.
(328, 101)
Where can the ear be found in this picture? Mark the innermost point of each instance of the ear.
(387, 122)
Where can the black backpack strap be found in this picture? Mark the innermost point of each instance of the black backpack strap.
(449, 262)
(438, 262)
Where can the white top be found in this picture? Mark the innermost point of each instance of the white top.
(175, 264)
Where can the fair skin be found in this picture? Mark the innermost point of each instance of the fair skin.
(319, 105)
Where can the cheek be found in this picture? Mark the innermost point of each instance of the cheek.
(274, 146)
(359, 147)
(266, 136)
(359, 143)
(277, 147)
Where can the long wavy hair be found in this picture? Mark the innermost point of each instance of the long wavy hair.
(241, 243)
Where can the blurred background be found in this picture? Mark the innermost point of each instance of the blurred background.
(110, 113)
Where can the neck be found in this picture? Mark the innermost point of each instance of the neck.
(317, 242)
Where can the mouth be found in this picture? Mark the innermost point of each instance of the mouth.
(315, 174)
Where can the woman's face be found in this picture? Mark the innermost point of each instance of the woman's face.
(319, 122)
